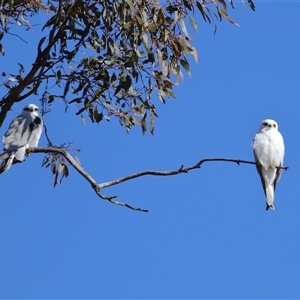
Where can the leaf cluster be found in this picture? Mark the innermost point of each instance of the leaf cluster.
(107, 57)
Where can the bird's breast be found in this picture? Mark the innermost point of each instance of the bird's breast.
(270, 149)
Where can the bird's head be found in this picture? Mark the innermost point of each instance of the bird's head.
(268, 124)
(31, 110)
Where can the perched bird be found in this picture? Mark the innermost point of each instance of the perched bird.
(23, 132)
(268, 148)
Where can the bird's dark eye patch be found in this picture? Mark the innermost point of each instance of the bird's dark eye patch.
(26, 108)
(265, 123)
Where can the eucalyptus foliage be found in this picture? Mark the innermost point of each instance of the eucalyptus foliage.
(106, 57)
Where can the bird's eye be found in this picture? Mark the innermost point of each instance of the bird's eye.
(36, 109)
(274, 125)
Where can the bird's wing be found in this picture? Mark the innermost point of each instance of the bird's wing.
(11, 131)
(37, 128)
(259, 169)
(280, 145)
(16, 136)
(277, 176)
(11, 160)
(20, 153)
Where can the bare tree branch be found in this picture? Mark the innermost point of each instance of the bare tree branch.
(182, 169)
(98, 186)
(82, 172)
(14, 95)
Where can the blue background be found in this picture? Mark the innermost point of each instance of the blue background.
(207, 234)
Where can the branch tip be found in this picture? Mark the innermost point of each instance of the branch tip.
(137, 209)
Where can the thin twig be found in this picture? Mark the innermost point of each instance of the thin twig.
(98, 186)
(50, 144)
(14, 34)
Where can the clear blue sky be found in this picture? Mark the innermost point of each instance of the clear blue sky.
(207, 234)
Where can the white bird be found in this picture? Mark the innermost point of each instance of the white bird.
(268, 147)
(24, 132)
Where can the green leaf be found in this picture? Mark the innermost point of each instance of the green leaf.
(53, 167)
(194, 24)
(170, 93)
(65, 171)
(58, 77)
(2, 50)
(82, 119)
(151, 57)
(136, 121)
(22, 70)
(40, 44)
(152, 27)
(187, 5)
(91, 114)
(186, 66)
(118, 89)
(56, 179)
(222, 12)
(163, 66)
(152, 117)
(51, 99)
(161, 95)
(144, 124)
(185, 45)
(145, 40)
(77, 100)
(50, 22)
(251, 4)
(66, 88)
(183, 27)
(127, 83)
(130, 3)
(61, 167)
(204, 15)
(45, 161)
(224, 4)
(80, 111)
(140, 20)
(178, 74)
(98, 117)
(194, 52)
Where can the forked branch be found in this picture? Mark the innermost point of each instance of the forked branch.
(98, 186)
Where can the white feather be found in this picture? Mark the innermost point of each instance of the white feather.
(23, 132)
(269, 149)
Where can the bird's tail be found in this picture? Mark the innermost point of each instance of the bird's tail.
(4, 155)
(6, 164)
(270, 196)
